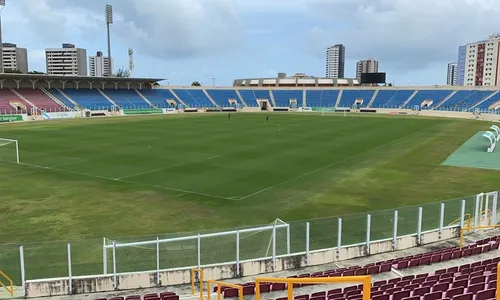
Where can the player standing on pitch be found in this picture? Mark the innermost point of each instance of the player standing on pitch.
(267, 119)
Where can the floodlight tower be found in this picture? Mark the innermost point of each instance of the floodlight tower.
(109, 21)
(131, 61)
(2, 5)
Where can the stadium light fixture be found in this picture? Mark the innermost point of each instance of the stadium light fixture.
(213, 81)
(109, 21)
(2, 5)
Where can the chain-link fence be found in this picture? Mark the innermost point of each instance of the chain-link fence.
(183, 250)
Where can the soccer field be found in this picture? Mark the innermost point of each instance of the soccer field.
(110, 177)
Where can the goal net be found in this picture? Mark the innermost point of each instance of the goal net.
(9, 150)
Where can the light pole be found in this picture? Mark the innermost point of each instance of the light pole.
(109, 21)
(2, 5)
(213, 81)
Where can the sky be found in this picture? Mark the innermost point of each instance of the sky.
(198, 40)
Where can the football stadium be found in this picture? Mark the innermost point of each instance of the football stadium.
(119, 188)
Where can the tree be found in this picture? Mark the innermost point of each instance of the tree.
(12, 71)
(389, 84)
(35, 72)
(196, 83)
(122, 72)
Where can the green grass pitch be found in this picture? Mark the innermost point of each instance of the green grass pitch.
(81, 180)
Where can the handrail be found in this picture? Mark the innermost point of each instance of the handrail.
(11, 289)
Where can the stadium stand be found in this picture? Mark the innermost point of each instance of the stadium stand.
(321, 98)
(464, 99)
(249, 97)
(433, 97)
(349, 97)
(60, 97)
(89, 98)
(126, 98)
(263, 94)
(194, 98)
(149, 296)
(283, 98)
(487, 105)
(159, 97)
(222, 97)
(40, 99)
(11, 103)
(391, 98)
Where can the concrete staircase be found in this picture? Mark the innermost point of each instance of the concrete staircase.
(107, 98)
(337, 103)
(24, 99)
(444, 100)
(304, 95)
(241, 98)
(409, 99)
(68, 98)
(210, 97)
(143, 97)
(372, 99)
(272, 98)
(54, 98)
(178, 98)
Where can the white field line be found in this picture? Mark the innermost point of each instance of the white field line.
(394, 142)
(166, 168)
(125, 181)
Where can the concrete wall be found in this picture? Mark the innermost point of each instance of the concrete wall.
(105, 283)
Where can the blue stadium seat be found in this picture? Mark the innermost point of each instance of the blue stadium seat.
(89, 98)
(221, 97)
(349, 97)
(391, 98)
(485, 106)
(283, 97)
(194, 97)
(435, 95)
(126, 98)
(249, 97)
(463, 99)
(61, 98)
(321, 98)
(263, 94)
(159, 97)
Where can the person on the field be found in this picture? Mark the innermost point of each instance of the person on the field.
(229, 116)
(267, 119)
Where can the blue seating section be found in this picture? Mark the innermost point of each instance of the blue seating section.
(485, 106)
(321, 98)
(89, 98)
(194, 98)
(349, 97)
(126, 98)
(391, 98)
(282, 97)
(159, 97)
(249, 97)
(263, 94)
(221, 97)
(464, 99)
(435, 95)
(61, 98)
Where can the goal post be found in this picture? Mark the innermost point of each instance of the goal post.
(9, 150)
(290, 282)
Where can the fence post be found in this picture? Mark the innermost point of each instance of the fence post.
(23, 275)
(115, 279)
(104, 257)
(288, 239)
(237, 253)
(494, 209)
(486, 205)
(419, 226)
(462, 214)
(477, 211)
(339, 237)
(441, 220)
(274, 247)
(307, 242)
(70, 279)
(158, 260)
(199, 251)
(368, 230)
(395, 230)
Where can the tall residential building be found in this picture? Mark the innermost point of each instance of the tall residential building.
(482, 62)
(67, 60)
(99, 65)
(451, 78)
(366, 66)
(15, 58)
(462, 57)
(335, 61)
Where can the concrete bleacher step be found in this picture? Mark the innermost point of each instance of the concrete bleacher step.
(177, 97)
(144, 98)
(304, 95)
(54, 98)
(23, 98)
(445, 99)
(337, 102)
(241, 98)
(373, 98)
(409, 99)
(210, 97)
(483, 100)
(68, 97)
(271, 95)
(107, 98)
